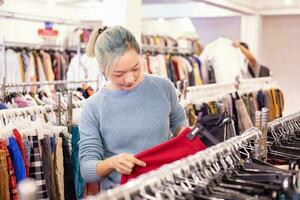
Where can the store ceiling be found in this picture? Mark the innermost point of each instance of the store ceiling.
(254, 4)
(267, 4)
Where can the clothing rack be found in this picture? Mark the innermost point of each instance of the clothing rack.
(166, 172)
(206, 93)
(6, 44)
(217, 90)
(57, 109)
(255, 84)
(10, 85)
(210, 90)
(158, 48)
(289, 119)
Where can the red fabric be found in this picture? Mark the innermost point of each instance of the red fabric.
(167, 152)
(11, 172)
(22, 149)
(175, 64)
(91, 189)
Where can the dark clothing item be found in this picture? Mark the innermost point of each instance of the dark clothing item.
(17, 159)
(197, 60)
(260, 99)
(48, 167)
(69, 186)
(36, 168)
(264, 71)
(211, 73)
(213, 127)
(2, 106)
(52, 143)
(203, 111)
(78, 180)
(235, 115)
(167, 152)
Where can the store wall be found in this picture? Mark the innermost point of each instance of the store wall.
(280, 52)
(27, 31)
(209, 29)
(169, 27)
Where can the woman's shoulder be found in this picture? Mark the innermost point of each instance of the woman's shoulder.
(95, 100)
(158, 80)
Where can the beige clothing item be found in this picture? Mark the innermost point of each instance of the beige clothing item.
(46, 60)
(197, 74)
(244, 118)
(185, 68)
(59, 170)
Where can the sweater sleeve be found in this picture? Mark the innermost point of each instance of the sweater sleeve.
(90, 144)
(177, 115)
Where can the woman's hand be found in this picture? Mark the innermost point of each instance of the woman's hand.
(124, 163)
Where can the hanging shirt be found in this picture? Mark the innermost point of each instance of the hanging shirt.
(228, 62)
(82, 68)
(167, 152)
(11, 68)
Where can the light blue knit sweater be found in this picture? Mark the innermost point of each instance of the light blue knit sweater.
(114, 122)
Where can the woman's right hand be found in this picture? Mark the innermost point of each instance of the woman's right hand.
(124, 163)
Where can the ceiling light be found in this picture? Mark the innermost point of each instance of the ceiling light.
(288, 2)
(52, 3)
(202, 4)
(161, 20)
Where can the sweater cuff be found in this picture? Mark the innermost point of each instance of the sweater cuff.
(88, 171)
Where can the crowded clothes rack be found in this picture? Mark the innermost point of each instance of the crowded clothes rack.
(24, 86)
(174, 63)
(45, 62)
(239, 100)
(254, 84)
(268, 94)
(167, 49)
(159, 177)
(37, 124)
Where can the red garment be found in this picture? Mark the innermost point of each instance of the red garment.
(91, 189)
(11, 172)
(176, 70)
(22, 149)
(148, 63)
(167, 152)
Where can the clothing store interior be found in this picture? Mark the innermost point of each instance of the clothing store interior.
(149, 99)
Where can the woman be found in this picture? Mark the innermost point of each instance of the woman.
(131, 113)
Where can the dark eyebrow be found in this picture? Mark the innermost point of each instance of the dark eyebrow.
(126, 71)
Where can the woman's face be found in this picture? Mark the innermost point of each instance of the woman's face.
(127, 71)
